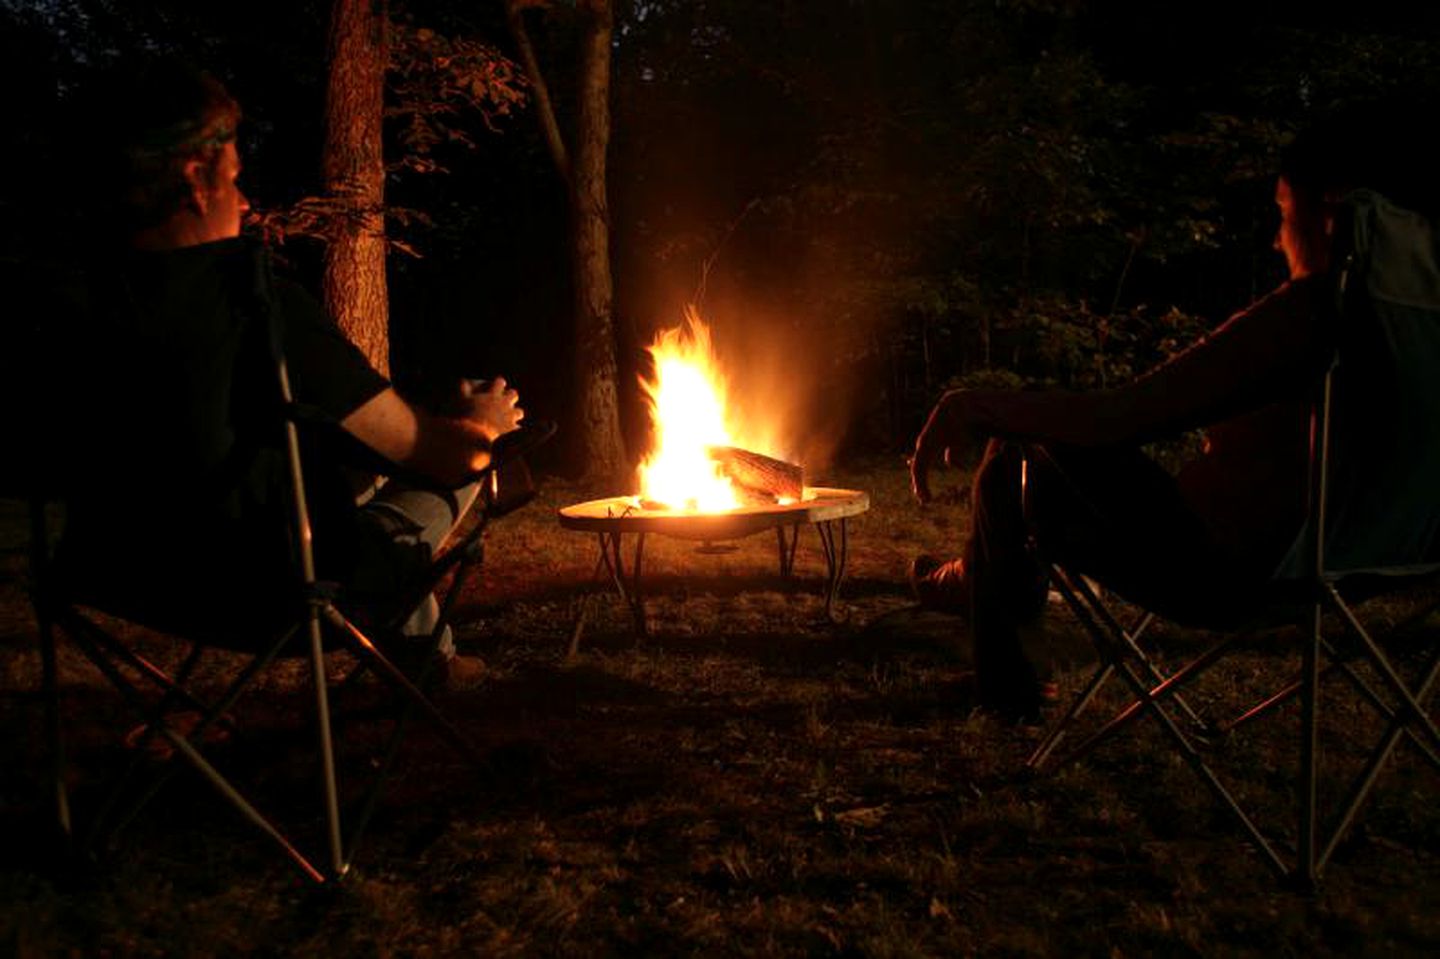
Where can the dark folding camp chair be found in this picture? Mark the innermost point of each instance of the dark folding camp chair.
(1372, 528)
(303, 617)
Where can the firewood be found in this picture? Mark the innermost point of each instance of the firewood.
(757, 473)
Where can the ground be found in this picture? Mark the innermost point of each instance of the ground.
(750, 778)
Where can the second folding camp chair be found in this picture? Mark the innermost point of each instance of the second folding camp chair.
(1372, 528)
(266, 617)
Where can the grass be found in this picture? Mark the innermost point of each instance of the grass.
(750, 779)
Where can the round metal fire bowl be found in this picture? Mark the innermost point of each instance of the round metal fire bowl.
(619, 514)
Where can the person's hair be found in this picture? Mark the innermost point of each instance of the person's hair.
(1370, 143)
(149, 122)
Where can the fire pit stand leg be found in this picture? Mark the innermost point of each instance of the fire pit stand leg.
(787, 548)
(628, 587)
(835, 549)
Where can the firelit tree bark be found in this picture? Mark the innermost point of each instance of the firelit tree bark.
(583, 169)
(354, 170)
(596, 372)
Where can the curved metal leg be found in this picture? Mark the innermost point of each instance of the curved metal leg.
(50, 681)
(628, 586)
(836, 550)
(787, 546)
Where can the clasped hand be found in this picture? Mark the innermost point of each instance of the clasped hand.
(492, 406)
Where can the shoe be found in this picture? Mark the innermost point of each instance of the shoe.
(437, 670)
(462, 672)
(939, 585)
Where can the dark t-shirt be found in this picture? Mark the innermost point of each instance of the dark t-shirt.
(175, 445)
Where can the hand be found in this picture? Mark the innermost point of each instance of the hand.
(948, 433)
(492, 407)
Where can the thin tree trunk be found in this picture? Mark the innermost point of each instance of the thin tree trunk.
(596, 374)
(354, 171)
(544, 108)
(583, 170)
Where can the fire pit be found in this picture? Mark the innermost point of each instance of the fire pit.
(611, 519)
(710, 476)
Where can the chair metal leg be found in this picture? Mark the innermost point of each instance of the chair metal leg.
(153, 726)
(1149, 696)
(1365, 781)
(1197, 762)
(1130, 639)
(1306, 868)
(1078, 705)
(391, 751)
(338, 865)
(49, 667)
(1382, 662)
(183, 747)
(228, 697)
(49, 679)
(384, 668)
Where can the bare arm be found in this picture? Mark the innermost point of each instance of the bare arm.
(1254, 357)
(447, 449)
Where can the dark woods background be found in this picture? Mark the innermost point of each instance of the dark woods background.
(870, 200)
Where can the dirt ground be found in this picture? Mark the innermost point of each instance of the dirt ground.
(750, 778)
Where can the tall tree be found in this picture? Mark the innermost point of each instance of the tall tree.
(584, 171)
(354, 172)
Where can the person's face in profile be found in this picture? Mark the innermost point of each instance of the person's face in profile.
(217, 197)
(1302, 237)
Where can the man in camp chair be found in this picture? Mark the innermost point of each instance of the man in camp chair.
(174, 487)
(1209, 538)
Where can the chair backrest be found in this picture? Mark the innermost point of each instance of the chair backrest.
(1382, 403)
(197, 522)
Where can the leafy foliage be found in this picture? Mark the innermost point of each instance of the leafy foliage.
(932, 189)
(434, 79)
(1034, 191)
(434, 83)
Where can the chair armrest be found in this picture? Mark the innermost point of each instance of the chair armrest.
(506, 483)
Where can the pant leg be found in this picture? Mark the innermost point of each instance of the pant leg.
(1115, 516)
(400, 530)
(1111, 514)
(1005, 585)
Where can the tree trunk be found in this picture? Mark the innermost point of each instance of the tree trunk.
(596, 373)
(354, 170)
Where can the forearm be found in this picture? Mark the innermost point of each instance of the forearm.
(445, 449)
(1061, 416)
(1257, 356)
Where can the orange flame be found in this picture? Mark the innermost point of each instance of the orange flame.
(687, 409)
(690, 414)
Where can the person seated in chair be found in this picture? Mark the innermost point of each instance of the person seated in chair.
(176, 480)
(1212, 535)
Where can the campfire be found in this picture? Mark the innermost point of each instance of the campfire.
(703, 460)
(709, 478)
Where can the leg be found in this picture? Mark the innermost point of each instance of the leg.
(402, 527)
(1003, 585)
(1110, 514)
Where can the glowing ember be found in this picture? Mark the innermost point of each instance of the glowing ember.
(689, 414)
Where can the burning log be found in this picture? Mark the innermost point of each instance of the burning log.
(759, 477)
